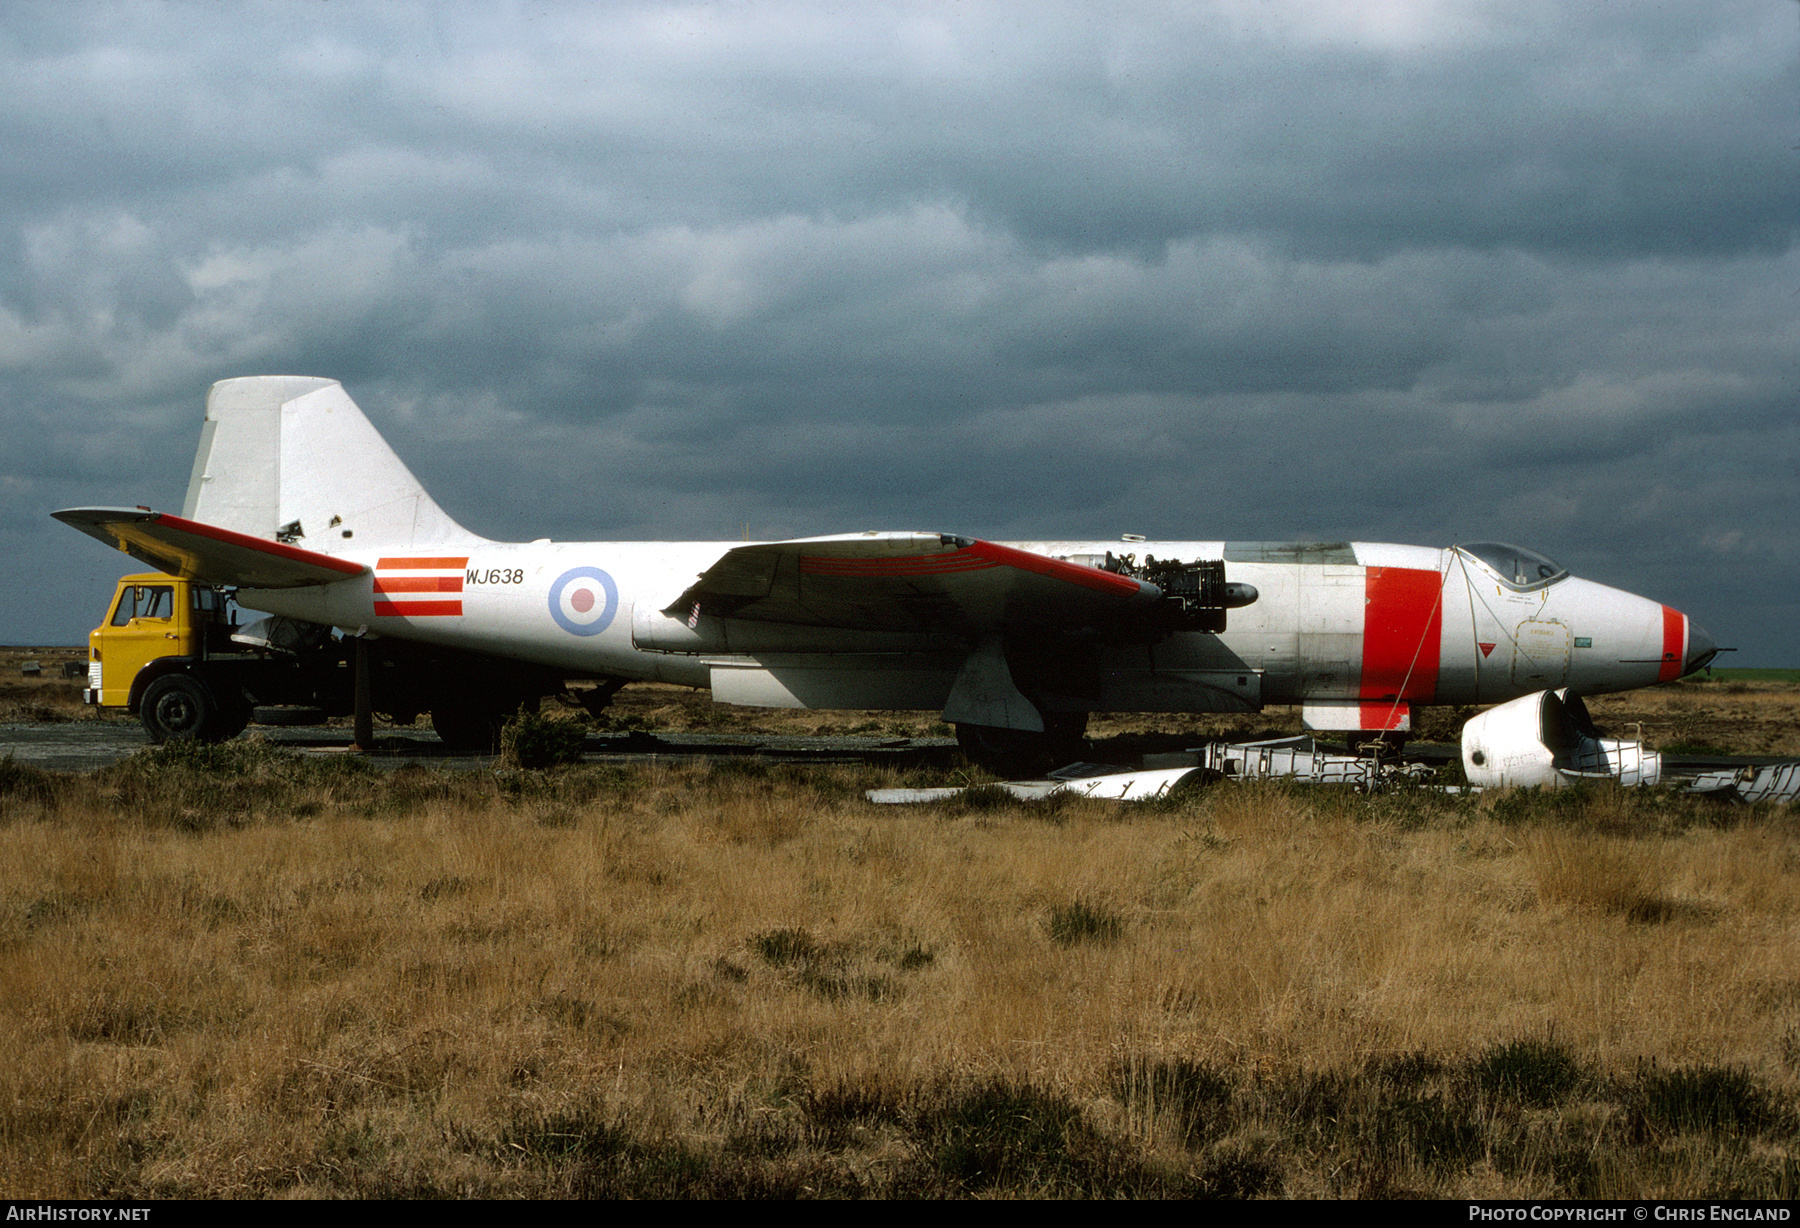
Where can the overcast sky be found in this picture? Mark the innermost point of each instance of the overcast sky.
(1396, 270)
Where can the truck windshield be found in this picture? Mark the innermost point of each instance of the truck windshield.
(1515, 566)
(144, 601)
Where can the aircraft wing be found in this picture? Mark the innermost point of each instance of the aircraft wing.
(204, 552)
(910, 582)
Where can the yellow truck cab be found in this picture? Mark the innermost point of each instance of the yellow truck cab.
(155, 627)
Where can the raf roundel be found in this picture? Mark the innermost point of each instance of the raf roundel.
(583, 600)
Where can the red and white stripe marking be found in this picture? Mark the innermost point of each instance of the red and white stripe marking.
(1674, 653)
(419, 587)
(1403, 630)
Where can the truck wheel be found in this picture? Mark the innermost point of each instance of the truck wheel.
(179, 709)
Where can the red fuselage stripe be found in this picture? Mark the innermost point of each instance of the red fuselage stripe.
(443, 564)
(1403, 629)
(416, 609)
(418, 584)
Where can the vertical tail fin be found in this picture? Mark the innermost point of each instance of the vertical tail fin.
(292, 458)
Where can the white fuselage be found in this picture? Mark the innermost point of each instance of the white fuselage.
(1357, 632)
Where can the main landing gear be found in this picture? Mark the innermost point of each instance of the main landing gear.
(1025, 752)
(471, 724)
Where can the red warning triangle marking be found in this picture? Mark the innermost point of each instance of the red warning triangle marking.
(1485, 648)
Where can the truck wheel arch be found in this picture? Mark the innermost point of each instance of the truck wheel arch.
(179, 705)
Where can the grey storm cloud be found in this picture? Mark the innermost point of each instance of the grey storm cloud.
(1413, 271)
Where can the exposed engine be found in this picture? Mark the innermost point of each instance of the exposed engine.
(1195, 595)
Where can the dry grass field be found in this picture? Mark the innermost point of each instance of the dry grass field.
(239, 972)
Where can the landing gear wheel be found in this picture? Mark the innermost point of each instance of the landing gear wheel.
(177, 708)
(1024, 752)
(1067, 734)
(232, 719)
(469, 728)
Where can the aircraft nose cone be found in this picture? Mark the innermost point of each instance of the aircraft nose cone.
(1700, 647)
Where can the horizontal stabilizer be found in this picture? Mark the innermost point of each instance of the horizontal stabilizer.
(909, 582)
(205, 552)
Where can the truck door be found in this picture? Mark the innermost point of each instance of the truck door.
(147, 622)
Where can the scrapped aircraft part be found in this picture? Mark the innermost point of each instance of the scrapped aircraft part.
(1134, 786)
(1111, 786)
(1771, 782)
(1548, 739)
(1302, 759)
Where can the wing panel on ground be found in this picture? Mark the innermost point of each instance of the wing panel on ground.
(205, 552)
(910, 582)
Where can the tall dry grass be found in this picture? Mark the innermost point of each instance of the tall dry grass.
(237, 972)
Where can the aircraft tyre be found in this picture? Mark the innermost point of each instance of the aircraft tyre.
(469, 728)
(233, 719)
(177, 708)
(1023, 752)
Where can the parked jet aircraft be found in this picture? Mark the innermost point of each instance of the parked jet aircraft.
(299, 504)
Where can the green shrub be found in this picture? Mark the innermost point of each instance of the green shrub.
(1536, 1073)
(1083, 922)
(1703, 1099)
(533, 741)
(787, 947)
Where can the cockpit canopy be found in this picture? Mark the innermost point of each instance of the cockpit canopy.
(1516, 567)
